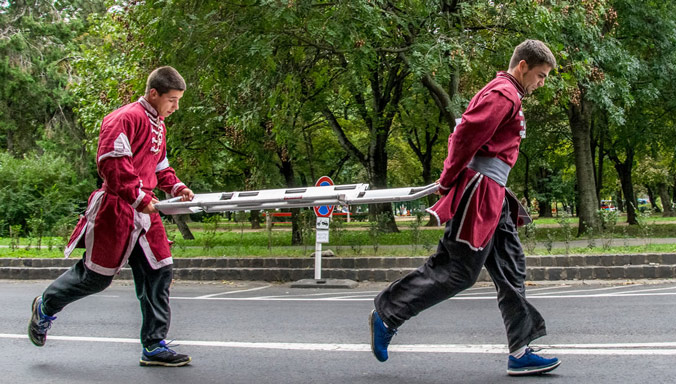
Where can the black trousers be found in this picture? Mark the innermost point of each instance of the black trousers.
(152, 290)
(456, 267)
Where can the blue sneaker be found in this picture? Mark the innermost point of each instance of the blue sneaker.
(160, 354)
(531, 364)
(39, 324)
(380, 336)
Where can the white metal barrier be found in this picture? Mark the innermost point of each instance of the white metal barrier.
(346, 194)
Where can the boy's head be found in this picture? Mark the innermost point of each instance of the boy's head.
(534, 53)
(531, 63)
(165, 79)
(164, 88)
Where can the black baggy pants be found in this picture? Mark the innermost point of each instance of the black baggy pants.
(456, 267)
(152, 290)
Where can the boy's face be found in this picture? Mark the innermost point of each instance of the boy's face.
(534, 78)
(165, 104)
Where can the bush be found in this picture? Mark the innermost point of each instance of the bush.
(43, 189)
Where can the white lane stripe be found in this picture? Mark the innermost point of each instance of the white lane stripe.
(308, 295)
(645, 290)
(586, 290)
(545, 288)
(231, 292)
(614, 345)
(329, 299)
(565, 349)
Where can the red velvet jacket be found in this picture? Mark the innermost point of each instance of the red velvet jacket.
(492, 126)
(132, 160)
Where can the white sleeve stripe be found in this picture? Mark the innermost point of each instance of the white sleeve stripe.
(164, 164)
(121, 148)
(176, 186)
(139, 199)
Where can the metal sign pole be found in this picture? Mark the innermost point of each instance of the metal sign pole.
(322, 230)
(323, 213)
(318, 259)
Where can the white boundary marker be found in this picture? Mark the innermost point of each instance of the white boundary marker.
(645, 349)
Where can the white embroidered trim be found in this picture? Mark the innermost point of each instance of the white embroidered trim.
(464, 213)
(431, 212)
(121, 148)
(150, 256)
(91, 214)
(164, 164)
(88, 229)
(142, 100)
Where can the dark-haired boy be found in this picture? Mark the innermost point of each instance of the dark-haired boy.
(121, 224)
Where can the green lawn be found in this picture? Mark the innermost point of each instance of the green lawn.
(229, 239)
(340, 251)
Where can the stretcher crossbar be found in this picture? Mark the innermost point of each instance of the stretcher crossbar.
(346, 194)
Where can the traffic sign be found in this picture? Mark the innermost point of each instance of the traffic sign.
(323, 210)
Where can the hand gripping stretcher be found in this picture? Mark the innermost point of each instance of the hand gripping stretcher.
(346, 194)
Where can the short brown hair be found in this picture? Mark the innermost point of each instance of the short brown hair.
(534, 52)
(165, 79)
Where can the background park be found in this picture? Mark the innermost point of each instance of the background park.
(283, 92)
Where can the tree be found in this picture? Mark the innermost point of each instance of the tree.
(38, 45)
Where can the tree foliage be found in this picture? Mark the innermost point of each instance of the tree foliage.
(282, 92)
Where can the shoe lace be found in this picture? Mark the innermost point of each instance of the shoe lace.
(45, 322)
(165, 346)
(44, 325)
(533, 349)
(390, 334)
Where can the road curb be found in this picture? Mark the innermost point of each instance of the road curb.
(378, 269)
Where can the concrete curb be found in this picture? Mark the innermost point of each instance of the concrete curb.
(379, 269)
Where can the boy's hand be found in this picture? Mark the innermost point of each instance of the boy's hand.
(150, 208)
(186, 194)
(438, 191)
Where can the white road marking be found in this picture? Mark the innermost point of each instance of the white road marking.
(585, 290)
(645, 349)
(644, 290)
(554, 295)
(546, 288)
(231, 292)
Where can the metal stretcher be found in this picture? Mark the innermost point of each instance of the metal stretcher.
(346, 194)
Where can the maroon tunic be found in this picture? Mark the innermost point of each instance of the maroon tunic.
(132, 160)
(492, 126)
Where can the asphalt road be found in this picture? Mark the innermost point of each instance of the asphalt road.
(252, 332)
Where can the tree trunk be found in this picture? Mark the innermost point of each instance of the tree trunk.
(599, 172)
(296, 230)
(653, 202)
(255, 219)
(619, 201)
(378, 166)
(667, 210)
(578, 117)
(287, 171)
(624, 172)
(544, 208)
(543, 189)
(183, 227)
